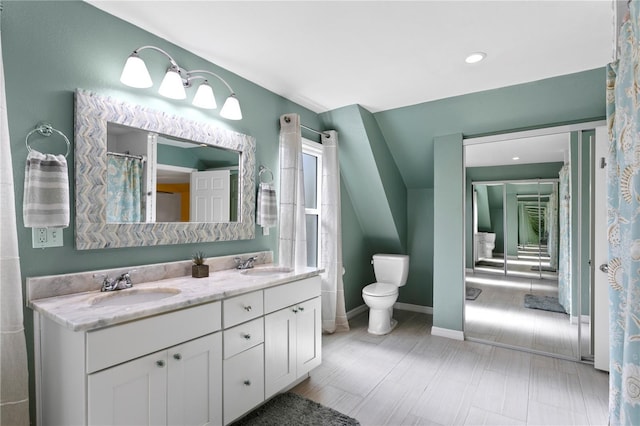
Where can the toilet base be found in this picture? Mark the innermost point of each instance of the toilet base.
(380, 322)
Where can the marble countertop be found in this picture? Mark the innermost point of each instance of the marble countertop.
(79, 312)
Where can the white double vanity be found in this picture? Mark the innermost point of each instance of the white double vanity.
(173, 349)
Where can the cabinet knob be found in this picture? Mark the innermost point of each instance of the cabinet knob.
(177, 357)
(247, 336)
(247, 308)
(295, 311)
(247, 382)
(301, 308)
(160, 363)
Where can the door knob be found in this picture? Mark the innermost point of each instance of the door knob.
(604, 268)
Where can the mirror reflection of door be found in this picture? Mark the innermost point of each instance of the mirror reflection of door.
(527, 256)
(165, 190)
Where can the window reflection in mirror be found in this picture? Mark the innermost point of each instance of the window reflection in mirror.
(157, 178)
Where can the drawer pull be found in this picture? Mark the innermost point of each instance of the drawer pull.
(247, 336)
(177, 357)
(247, 308)
(247, 382)
(160, 363)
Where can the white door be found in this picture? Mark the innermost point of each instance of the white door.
(279, 350)
(308, 336)
(195, 382)
(601, 286)
(210, 192)
(133, 393)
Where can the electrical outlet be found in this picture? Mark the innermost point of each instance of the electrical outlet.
(46, 237)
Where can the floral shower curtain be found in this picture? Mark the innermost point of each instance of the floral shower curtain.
(334, 316)
(124, 189)
(564, 222)
(623, 220)
(14, 386)
(292, 241)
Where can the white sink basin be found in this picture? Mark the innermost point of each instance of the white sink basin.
(133, 296)
(269, 270)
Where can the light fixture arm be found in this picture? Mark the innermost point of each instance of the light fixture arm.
(190, 76)
(157, 49)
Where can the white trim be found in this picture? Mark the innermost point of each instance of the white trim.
(413, 308)
(356, 311)
(589, 125)
(584, 319)
(445, 332)
(178, 169)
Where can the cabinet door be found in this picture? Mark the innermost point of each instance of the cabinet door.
(133, 393)
(279, 350)
(243, 382)
(308, 336)
(195, 382)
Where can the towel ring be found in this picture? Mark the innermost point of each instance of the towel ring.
(46, 129)
(262, 170)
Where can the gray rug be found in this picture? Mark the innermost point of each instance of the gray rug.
(291, 409)
(472, 293)
(544, 303)
(544, 269)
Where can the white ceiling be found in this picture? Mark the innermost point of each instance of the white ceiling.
(532, 150)
(381, 54)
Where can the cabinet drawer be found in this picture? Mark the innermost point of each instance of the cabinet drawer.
(113, 345)
(243, 336)
(281, 296)
(242, 308)
(243, 378)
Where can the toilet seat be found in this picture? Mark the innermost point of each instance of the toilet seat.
(380, 290)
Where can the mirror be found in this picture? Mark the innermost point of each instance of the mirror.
(177, 180)
(98, 116)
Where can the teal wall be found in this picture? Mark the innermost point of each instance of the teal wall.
(448, 235)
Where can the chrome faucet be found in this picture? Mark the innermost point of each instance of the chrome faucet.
(245, 264)
(119, 283)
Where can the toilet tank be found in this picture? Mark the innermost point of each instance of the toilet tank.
(391, 268)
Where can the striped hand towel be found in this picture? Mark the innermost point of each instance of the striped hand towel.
(267, 209)
(46, 191)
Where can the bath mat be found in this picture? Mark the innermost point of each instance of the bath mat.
(292, 409)
(544, 303)
(544, 269)
(472, 293)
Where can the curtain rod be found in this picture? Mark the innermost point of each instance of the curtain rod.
(315, 131)
(120, 154)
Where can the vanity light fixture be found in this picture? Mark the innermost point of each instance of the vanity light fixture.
(475, 57)
(176, 79)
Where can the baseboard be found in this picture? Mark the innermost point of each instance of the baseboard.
(413, 308)
(445, 332)
(356, 311)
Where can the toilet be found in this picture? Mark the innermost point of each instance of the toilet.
(391, 272)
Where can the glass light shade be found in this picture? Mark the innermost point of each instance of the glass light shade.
(231, 108)
(171, 86)
(135, 73)
(204, 97)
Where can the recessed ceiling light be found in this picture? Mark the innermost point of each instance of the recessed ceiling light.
(475, 57)
(515, 158)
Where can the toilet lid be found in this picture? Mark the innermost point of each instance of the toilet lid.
(380, 289)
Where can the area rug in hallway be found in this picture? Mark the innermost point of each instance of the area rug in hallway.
(472, 293)
(292, 409)
(544, 303)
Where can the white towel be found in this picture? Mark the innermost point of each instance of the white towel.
(267, 207)
(46, 191)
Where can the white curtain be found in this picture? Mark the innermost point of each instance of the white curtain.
(334, 316)
(14, 386)
(292, 241)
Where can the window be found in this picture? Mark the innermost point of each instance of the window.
(312, 166)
